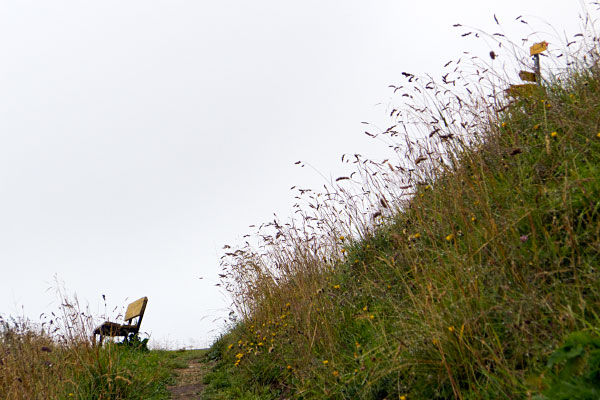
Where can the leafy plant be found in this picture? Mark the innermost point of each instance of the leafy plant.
(133, 341)
(574, 369)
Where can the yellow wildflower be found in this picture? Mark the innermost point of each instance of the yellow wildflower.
(325, 362)
(451, 328)
(289, 367)
(450, 237)
(343, 250)
(554, 134)
(504, 124)
(371, 316)
(598, 135)
(342, 238)
(230, 347)
(536, 126)
(335, 373)
(365, 308)
(336, 286)
(414, 236)
(402, 397)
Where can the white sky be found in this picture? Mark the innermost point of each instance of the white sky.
(139, 137)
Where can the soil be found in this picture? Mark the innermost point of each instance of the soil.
(189, 380)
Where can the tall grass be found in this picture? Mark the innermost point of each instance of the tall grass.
(57, 360)
(451, 270)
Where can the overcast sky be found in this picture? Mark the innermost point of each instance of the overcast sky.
(139, 137)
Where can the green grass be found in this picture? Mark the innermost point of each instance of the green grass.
(463, 289)
(122, 373)
(37, 365)
(467, 268)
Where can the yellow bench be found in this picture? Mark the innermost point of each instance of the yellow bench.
(133, 320)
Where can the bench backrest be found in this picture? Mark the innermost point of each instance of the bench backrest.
(136, 309)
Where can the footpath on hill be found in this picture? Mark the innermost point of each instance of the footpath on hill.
(190, 376)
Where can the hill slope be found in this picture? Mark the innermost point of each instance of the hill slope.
(463, 289)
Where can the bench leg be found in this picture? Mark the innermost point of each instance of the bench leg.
(99, 343)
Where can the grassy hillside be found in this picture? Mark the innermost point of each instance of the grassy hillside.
(455, 271)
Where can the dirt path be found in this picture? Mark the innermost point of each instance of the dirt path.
(189, 380)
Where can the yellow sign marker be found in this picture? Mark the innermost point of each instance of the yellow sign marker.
(527, 76)
(538, 48)
(524, 90)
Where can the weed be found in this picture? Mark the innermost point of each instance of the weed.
(133, 341)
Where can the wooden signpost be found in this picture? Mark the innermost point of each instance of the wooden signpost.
(535, 52)
(527, 76)
(523, 90)
(527, 89)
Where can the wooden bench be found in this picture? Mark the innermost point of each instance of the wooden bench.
(131, 326)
